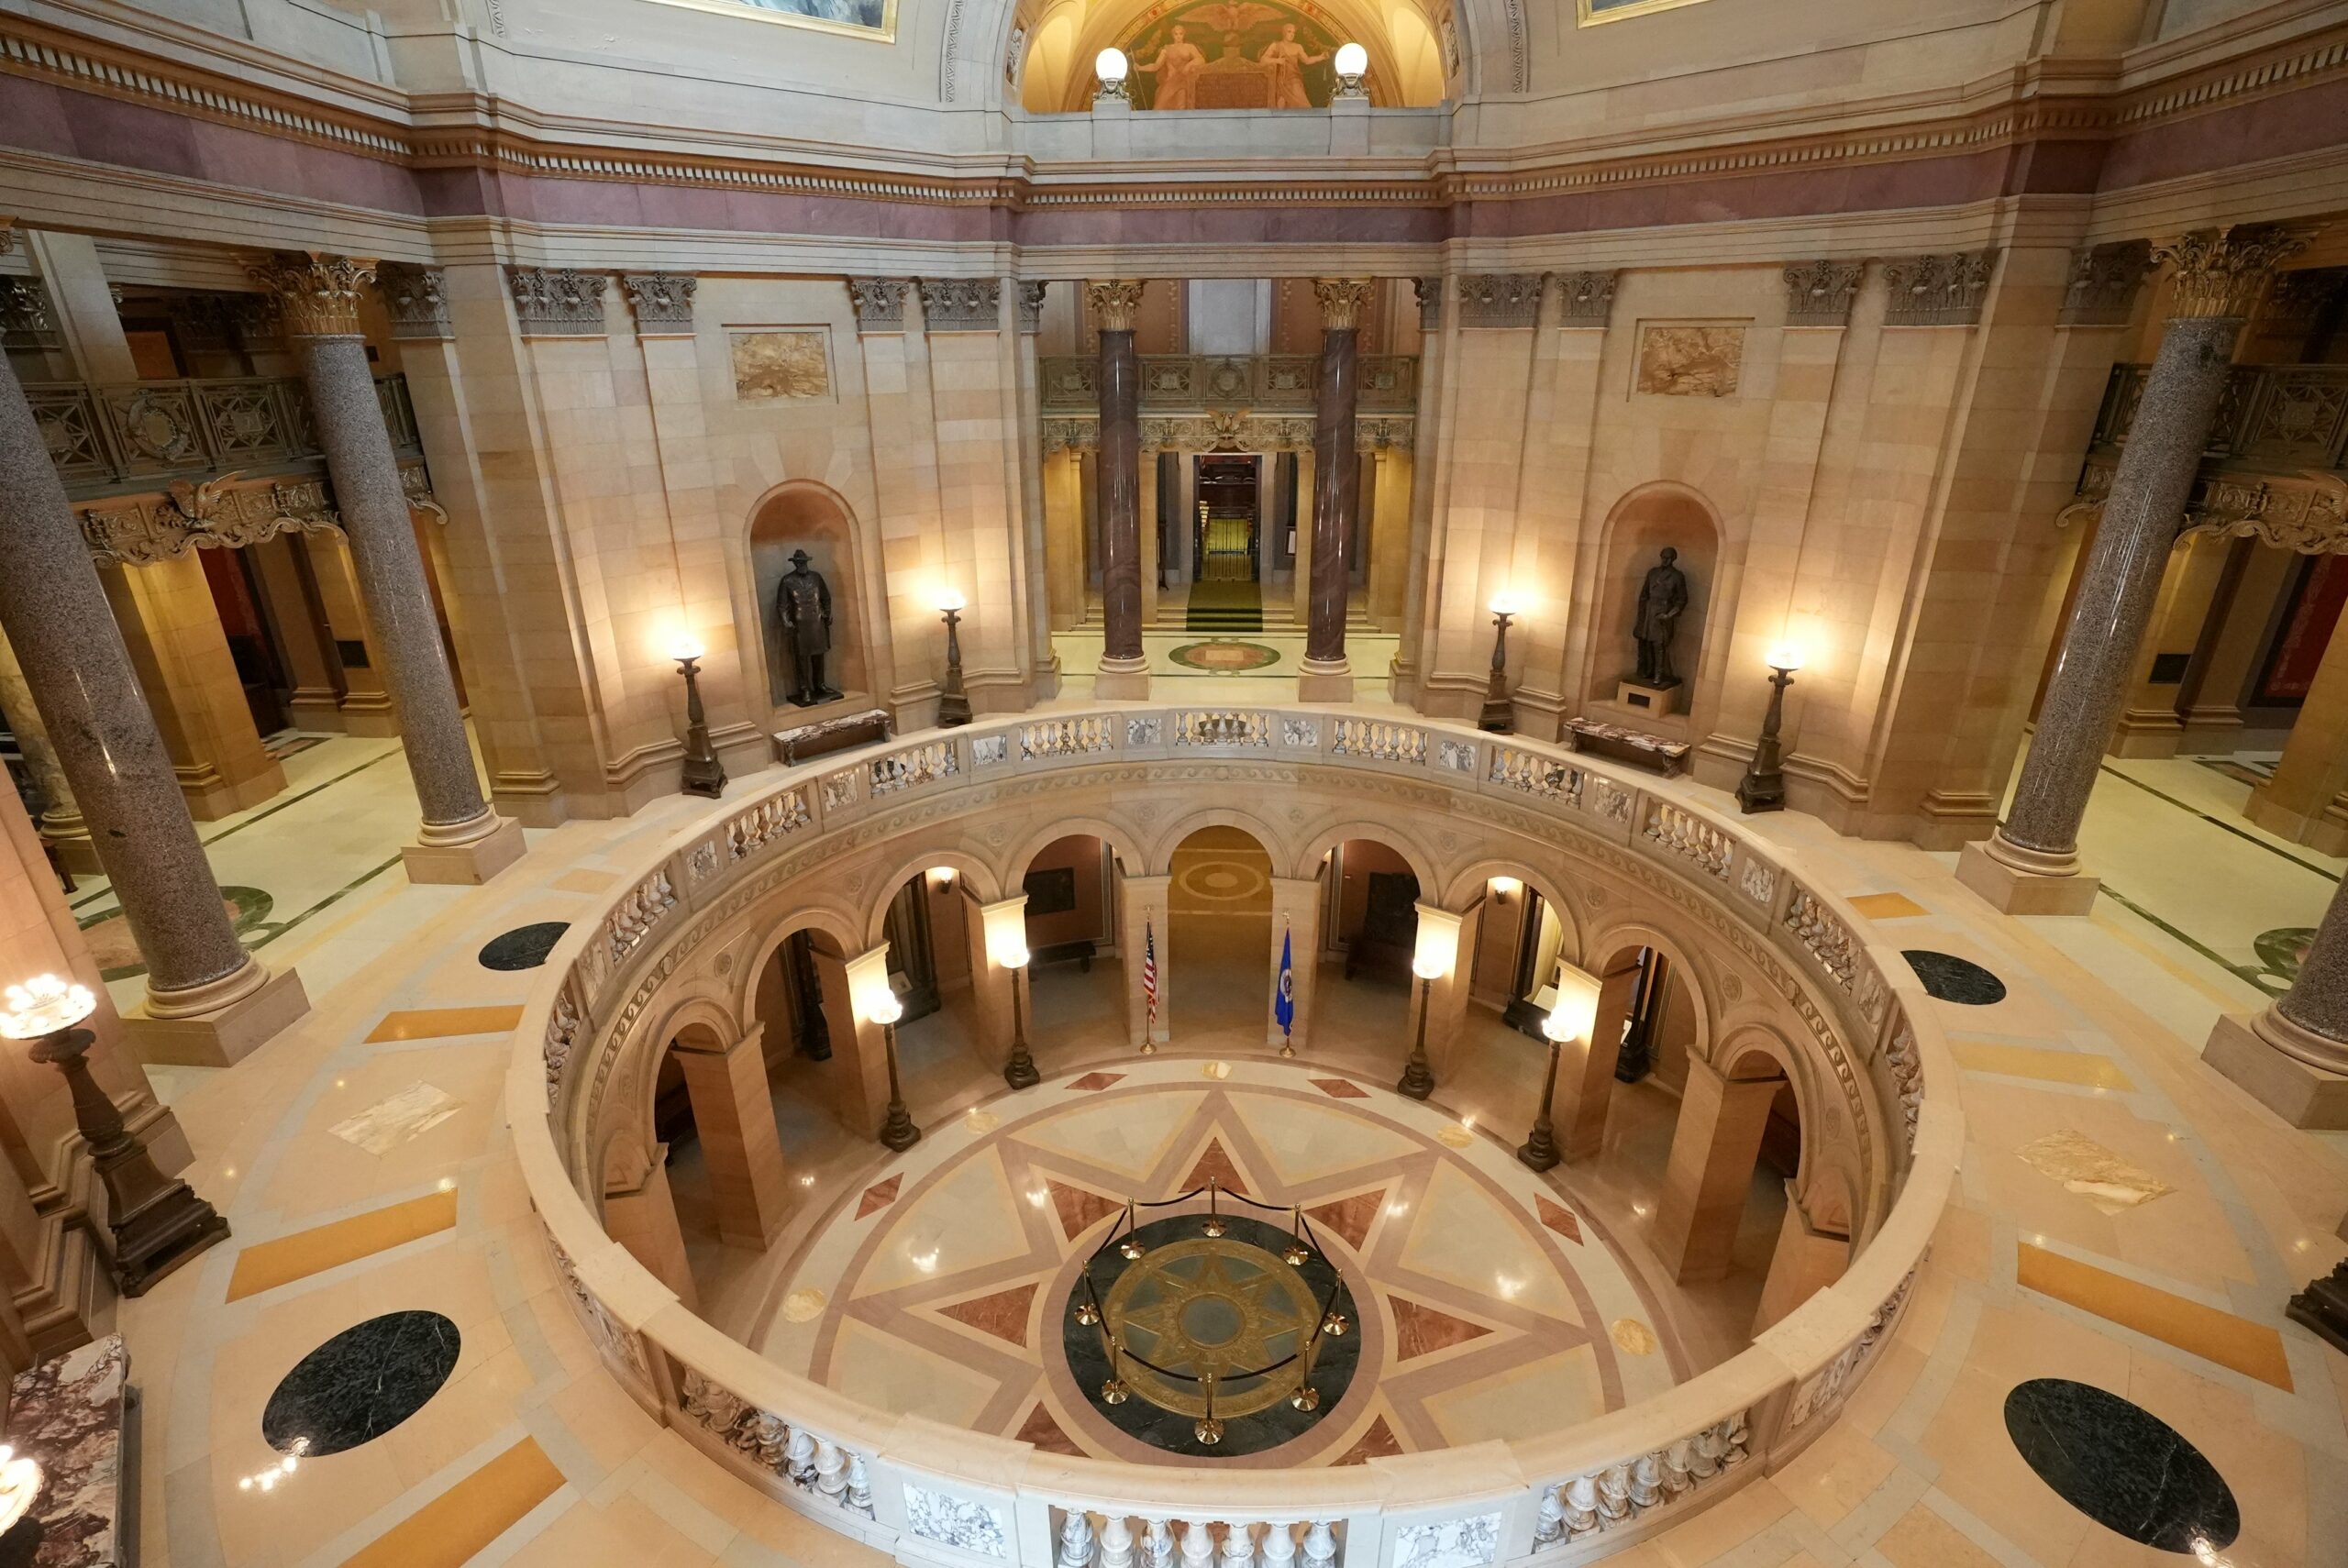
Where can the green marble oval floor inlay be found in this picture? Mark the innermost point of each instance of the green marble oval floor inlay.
(1226, 655)
(117, 951)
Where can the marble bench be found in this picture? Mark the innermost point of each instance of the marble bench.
(1640, 749)
(71, 1416)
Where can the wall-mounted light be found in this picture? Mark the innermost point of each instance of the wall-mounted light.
(1505, 888)
(1352, 63)
(1111, 67)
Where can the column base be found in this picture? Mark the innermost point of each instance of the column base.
(2258, 1053)
(1122, 679)
(1325, 681)
(78, 852)
(220, 1034)
(2014, 891)
(466, 861)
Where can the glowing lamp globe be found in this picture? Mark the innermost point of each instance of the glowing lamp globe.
(42, 1006)
(1352, 59)
(1111, 65)
(1574, 1015)
(1785, 656)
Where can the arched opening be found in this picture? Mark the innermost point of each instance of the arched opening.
(807, 1016)
(1735, 1147)
(1617, 685)
(1369, 927)
(1076, 980)
(811, 666)
(1219, 919)
(936, 937)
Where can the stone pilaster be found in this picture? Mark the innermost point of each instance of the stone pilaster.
(1326, 676)
(208, 1000)
(2031, 863)
(2293, 1055)
(462, 839)
(1125, 671)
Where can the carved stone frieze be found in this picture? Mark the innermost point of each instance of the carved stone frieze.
(1941, 290)
(556, 301)
(2101, 290)
(2306, 513)
(414, 296)
(961, 305)
(1499, 299)
(1586, 299)
(1230, 430)
(226, 513)
(317, 294)
(1819, 294)
(663, 302)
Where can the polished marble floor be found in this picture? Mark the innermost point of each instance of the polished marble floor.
(2146, 1253)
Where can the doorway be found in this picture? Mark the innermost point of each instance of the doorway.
(1227, 594)
(252, 641)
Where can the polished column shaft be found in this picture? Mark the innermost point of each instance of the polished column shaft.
(64, 634)
(1118, 471)
(1336, 467)
(319, 295)
(2220, 277)
(2318, 1001)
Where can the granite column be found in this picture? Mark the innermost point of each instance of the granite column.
(1125, 670)
(1326, 676)
(61, 824)
(462, 839)
(2293, 1055)
(208, 1000)
(2031, 863)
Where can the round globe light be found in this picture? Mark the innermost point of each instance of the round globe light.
(43, 1005)
(1352, 59)
(1111, 65)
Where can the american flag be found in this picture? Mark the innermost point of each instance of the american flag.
(1150, 969)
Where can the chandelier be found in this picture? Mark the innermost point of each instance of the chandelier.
(1214, 1315)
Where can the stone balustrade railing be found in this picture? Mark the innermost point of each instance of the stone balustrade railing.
(935, 1493)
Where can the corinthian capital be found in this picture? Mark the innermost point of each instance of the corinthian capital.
(2222, 272)
(317, 292)
(1114, 302)
(1342, 300)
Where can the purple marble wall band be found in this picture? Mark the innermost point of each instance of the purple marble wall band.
(56, 615)
(390, 567)
(2119, 586)
(1336, 493)
(1118, 487)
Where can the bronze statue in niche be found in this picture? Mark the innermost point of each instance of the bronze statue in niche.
(1663, 599)
(803, 604)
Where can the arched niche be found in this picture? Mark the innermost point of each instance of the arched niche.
(804, 515)
(1413, 46)
(1644, 523)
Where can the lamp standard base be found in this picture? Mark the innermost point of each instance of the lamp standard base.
(1022, 1073)
(704, 775)
(897, 1133)
(1539, 1151)
(1418, 1078)
(1761, 792)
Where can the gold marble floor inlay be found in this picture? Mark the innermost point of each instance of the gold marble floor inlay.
(438, 1022)
(2251, 1349)
(454, 1527)
(1886, 905)
(2085, 1068)
(265, 1265)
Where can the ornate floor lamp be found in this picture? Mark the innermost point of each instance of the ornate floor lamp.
(1763, 788)
(704, 775)
(1571, 1017)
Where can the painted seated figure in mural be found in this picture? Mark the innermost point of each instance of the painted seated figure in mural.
(1283, 64)
(1177, 68)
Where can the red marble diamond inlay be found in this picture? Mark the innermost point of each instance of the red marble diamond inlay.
(1560, 1219)
(1376, 1444)
(1215, 1165)
(1349, 1217)
(1337, 1088)
(1002, 1314)
(1420, 1329)
(1079, 1210)
(879, 1195)
(1097, 1080)
(1045, 1433)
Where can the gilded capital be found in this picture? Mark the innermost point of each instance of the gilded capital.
(1114, 302)
(317, 292)
(2223, 272)
(1342, 300)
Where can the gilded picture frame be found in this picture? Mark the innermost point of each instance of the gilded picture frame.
(802, 14)
(1591, 13)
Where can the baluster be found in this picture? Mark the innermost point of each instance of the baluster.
(1645, 1484)
(1197, 1546)
(859, 1485)
(1076, 1540)
(1159, 1550)
(1675, 1460)
(831, 1469)
(800, 1462)
(1549, 1523)
(1732, 1439)
(1580, 1497)
(1320, 1545)
(1116, 1542)
(1706, 1460)
(1238, 1546)
(1280, 1545)
(1614, 1494)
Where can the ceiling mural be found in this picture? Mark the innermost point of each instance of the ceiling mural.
(859, 18)
(1594, 11)
(1233, 54)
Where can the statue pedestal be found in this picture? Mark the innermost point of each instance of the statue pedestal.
(1651, 700)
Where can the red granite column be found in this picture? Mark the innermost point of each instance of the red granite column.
(1125, 672)
(1336, 491)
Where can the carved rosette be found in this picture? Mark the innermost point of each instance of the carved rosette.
(1945, 290)
(1499, 299)
(961, 305)
(663, 302)
(1586, 299)
(414, 296)
(2102, 286)
(880, 303)
(1819, 294)
(2223, 272)
(1342, 302)
(1114, 304)
(1030, 305)
(317, 294)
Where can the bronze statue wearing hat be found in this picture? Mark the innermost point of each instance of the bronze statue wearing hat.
(802, 603)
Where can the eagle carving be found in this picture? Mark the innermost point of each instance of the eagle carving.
(199, 502)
